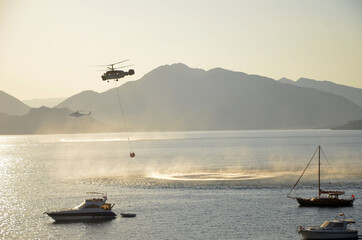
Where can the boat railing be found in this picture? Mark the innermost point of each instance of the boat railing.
(332, 192)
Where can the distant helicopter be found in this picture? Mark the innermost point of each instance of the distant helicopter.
(114, 74)
(79, 114)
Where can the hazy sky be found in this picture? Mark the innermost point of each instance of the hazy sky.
(48, 46)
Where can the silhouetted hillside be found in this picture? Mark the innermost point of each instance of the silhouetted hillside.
(176, 97)
(352, 125)
(11, 105)
(48, 102)
(352, 94)
(48, 120)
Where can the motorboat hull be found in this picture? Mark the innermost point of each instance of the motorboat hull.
(82, 216)
(325, 234)
(325, 202)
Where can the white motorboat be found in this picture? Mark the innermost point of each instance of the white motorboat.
(336, 229)
(94, 208)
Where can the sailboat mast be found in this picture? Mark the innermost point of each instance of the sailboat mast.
(319, 171)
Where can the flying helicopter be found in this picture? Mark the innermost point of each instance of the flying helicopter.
(79, 114)
(114, 74)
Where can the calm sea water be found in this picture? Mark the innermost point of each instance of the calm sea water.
(181, 185)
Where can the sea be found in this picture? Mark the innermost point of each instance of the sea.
(181, 185)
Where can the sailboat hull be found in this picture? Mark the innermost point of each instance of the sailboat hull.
(325, 202)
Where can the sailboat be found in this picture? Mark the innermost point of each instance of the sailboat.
(325, 198)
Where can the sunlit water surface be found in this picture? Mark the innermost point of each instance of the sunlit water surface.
(181, 185)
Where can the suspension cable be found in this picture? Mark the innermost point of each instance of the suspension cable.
(124, 119)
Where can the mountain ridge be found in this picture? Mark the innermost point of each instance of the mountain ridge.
(176, 97)
(179, 98)
(11, 105)
(46, 120)
(351, 93)
(39, 102)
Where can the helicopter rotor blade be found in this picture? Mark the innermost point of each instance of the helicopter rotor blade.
(101, 65)
(124, 66)
(107, 65)
(120, 62)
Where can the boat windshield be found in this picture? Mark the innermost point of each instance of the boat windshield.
(327, 224)
(80, 206)
(339, 225)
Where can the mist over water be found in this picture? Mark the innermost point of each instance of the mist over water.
(207, 156)
(224, 178)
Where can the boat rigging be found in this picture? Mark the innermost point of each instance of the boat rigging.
(325, 198)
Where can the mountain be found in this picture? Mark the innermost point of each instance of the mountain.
(351, 93)
(286, 80)
(48, 120)
(176, 97)
(11, 105)
(48, 102)
(352, 125)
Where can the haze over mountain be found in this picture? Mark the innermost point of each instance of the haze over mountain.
(49, 120)
(351, 93)
(176, 97)
(351, 125)
(11, 105)
(49, 102)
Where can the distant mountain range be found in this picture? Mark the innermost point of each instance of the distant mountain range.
(352, 125)
(47, 102)
(45, 120)
(177, 98)
(11, 105)
(352, 94)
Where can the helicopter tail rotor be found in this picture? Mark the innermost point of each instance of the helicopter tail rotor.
(130, 72)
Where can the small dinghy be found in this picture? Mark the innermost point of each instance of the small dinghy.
(128, 215)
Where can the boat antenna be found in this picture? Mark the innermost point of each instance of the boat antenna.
(301, 175)
(94, 193)
(319, 171)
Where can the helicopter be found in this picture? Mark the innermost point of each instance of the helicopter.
(113, 74)
(79, 114)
